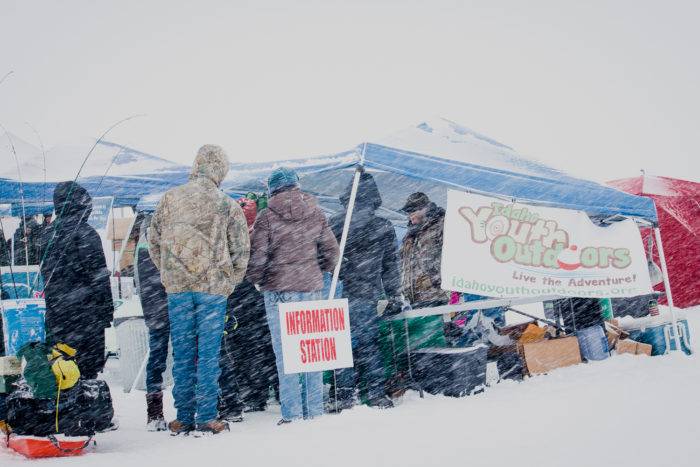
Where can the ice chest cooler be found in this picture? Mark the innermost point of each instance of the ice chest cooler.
(593, 343)
(22, 322)
(452, 371)
(661, 337)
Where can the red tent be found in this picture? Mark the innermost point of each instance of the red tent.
(678, 207)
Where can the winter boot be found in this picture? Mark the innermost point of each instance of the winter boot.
(154, 409)
(176, 427)
(255, 408)
(233, 417)
(343, 404)
(214, 427)
(382, 402)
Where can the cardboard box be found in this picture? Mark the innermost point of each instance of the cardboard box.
(533, 333)
(546, 355)
(633, 347)
(10, 366)
(614, 333)
(118, 229)
(613, 338)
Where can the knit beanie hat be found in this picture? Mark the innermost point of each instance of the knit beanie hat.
(282, 177)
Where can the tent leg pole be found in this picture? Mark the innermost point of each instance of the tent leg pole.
(346, 226)
(343, 241)
(667, 287)
(139, 375)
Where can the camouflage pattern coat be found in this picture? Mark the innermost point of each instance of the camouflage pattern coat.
(421, 257)
(198, 237)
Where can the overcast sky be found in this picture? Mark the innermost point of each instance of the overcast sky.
(600, 89)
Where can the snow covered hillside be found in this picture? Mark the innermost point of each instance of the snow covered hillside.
(625, 411)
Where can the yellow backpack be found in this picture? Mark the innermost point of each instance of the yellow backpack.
(63, 366)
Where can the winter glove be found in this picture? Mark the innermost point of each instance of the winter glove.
(396, 305)
(230, 324)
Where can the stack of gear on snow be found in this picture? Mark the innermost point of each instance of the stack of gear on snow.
(50, 398)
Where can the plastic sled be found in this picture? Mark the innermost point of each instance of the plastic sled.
(34, 447)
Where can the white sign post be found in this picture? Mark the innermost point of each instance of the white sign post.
(315, 335)
(505, 250)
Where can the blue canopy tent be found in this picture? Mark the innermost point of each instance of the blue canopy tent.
(111, 170)
(127, 190)
(433, 159)
(430, 157)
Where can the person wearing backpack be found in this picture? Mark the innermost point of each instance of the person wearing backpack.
(79, 303)
(198, 239)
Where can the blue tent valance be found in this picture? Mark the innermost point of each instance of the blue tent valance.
(429, 157)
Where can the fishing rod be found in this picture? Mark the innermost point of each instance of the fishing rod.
(543, 320)
(24, 213)
(9, 257)
(65, 203)
(43, 153)
(6, 75)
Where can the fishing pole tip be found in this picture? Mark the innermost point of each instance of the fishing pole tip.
(6, 75)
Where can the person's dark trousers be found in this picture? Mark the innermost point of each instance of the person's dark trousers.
(91, 355)
(230, 403)
(247, 357)
(157, 358)
(255, 367)
(366, 351)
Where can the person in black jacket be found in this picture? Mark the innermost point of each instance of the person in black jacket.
(78, 296)
(369, 271)
(154, 302)
(247, 359)
(27, 242)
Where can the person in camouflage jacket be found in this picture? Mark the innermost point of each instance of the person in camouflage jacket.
(198, 239)
(421, 252)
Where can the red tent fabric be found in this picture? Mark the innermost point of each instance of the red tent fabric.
(678, 207)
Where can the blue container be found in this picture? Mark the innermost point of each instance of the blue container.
(22, 323)
(593, 343)
(17, 282)
(452, 371)
(662, 338)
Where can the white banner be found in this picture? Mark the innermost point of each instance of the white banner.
(315, 336)
(500, 249)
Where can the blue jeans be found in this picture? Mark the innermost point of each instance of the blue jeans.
(301, 395)
(367, 354)
(196, 327)
(157, 358)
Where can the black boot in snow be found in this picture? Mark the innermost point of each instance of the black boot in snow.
(154, 409)
(342, 404)
(233, 416)
(381, 403)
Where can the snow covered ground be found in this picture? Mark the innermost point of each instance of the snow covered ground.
(625, 411)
